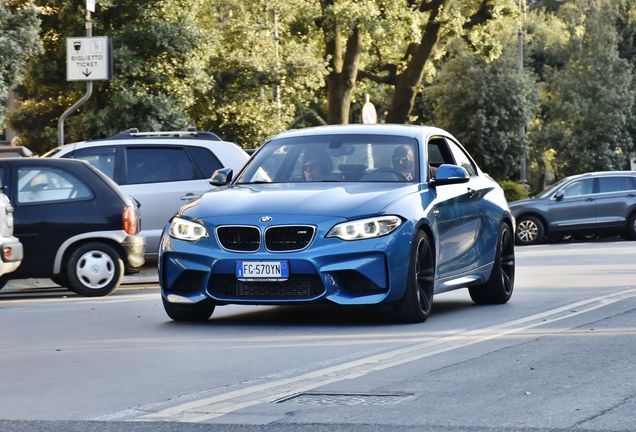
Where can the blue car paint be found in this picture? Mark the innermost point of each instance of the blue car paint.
(464, 230)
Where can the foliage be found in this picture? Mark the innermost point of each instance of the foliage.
(158, 54)
(484, 105)
(587, 104)
(245, 69)
(19, 40)
(514, 190)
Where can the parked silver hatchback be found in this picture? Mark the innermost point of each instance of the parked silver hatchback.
(591, 203)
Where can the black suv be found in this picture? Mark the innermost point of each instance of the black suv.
(592, 203)
(76, 225)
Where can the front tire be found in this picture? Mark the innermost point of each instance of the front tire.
(200, 311)
(498, 289)
(94, 270)
(416, 303)
(530, 230)
(630, 233)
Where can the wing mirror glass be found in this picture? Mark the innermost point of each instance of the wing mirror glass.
(450, 174)
(221, 177)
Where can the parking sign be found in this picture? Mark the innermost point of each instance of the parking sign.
(88, 59)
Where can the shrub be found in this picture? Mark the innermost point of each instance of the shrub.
(514, 190)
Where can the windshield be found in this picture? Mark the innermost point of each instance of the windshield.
(552, 188)
(334, 158)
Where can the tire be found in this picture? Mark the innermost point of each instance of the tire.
(60, 279)
(630, 233)
(200, 311)
(94, 270)
(3, 282)
(416, 303)
(498, 289)
(530, 230)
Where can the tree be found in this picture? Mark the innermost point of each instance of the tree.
(484, 104)
(19, 40)
(158, 52)
(259, 85)
(587, 105)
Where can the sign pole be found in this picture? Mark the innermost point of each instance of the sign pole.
(89, 85)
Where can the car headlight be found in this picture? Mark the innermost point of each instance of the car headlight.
(184, 229)
(365, 228)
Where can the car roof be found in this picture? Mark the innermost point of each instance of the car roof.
(41, 161)
(414, 131)
(600, 174)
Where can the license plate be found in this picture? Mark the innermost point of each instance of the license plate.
(262, 270)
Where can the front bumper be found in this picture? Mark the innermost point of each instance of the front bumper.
(344, 272)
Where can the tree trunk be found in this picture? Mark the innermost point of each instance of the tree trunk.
(408, 81)
(343, 66)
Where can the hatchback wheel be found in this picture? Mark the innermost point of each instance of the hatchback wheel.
(416, 304)
(498, 288)
(530, 230)
(94, 269)
(200, 311)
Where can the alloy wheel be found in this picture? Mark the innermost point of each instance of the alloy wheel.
(424, 275)
(527, 231)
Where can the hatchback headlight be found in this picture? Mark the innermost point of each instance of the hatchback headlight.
(184, 229)
(365, 228)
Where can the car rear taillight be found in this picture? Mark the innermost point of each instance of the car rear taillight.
(131, 223)
(7, 253)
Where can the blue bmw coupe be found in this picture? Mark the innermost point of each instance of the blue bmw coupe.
(354, 215)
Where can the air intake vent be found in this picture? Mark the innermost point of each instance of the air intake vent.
(239, 238)
(296, 287)
(288, 238)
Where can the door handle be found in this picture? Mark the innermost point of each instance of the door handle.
(188, 197)
(471, 192)
(589, 199)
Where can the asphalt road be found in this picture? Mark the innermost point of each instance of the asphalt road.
(559, 356)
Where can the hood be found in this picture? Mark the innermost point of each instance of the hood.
(316, 199)
(521, 202)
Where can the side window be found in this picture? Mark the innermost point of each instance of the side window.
(102, 158)
(438, 153)
(156, 165)
(40, 184)
(577, 188)
(462, 159)
(615, 184)
(206, 160)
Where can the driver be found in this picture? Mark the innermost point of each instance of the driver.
(403, 161)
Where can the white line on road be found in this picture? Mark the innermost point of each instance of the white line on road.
(215, 406)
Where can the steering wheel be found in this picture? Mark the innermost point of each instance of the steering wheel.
(398, 175)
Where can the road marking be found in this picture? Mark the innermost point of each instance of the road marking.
(209, 408)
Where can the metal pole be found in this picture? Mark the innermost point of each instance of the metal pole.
(277, 86)
(522, 128)
(87, 95)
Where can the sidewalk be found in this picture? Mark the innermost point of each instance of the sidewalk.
(146, 275)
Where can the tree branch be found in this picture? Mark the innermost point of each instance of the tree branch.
(481, 16)
(388, 79)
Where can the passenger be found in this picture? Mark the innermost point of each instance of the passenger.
(403, 161)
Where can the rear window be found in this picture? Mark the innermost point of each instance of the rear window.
(616, 184)
(205, 159)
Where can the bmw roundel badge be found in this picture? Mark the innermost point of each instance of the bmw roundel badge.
(266, 218)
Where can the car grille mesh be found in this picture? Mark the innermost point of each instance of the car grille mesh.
(288, 238)
(296, 287)
(239, 238)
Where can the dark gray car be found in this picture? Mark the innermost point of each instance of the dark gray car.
(592, 203)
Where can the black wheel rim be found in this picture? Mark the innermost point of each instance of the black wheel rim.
(507, 261)
(424, 275)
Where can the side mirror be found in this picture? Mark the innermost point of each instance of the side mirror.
(221, 177)
(558, 196)
(449, 174)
